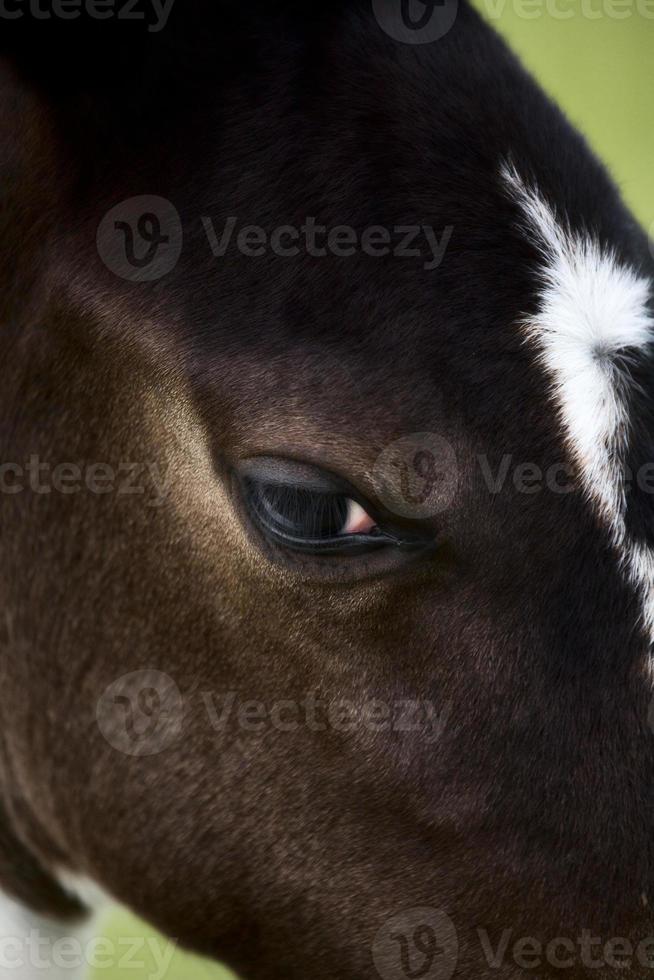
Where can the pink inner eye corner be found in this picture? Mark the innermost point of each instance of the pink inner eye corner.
(358, 521)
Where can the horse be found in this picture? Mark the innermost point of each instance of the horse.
(326, 462)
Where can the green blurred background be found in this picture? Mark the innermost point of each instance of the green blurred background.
(600, 69)
(601, 72)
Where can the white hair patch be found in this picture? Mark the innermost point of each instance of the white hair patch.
(592, 308)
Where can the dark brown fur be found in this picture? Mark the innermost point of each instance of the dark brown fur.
(285, 853)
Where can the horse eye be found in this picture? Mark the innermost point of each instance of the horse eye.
(310, 520)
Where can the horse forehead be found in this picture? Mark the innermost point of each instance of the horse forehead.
(592, 333)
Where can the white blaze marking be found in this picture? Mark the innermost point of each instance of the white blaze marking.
(592, 307)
